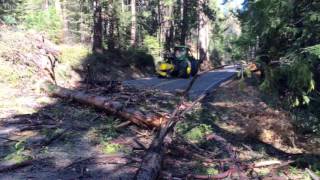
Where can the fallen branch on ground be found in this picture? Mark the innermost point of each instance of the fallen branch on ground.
(56, 136)
(122, 125)
(112, 159)
(151, 165)
(10, 167)
(231, 151)
(213, 177)
(312, 174)
(266, 163)
(37, 127)
(8, 139)
(46, 141)
(135, 116)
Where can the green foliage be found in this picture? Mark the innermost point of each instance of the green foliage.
(17, 154)
(73, 55)
(306, 122)
(140, 58)
(10, 11)
(111, 148)
(313, 50)
(12, 75)
(45, 21)
(198, 133)
(153, 46)
(200, 169)
(287, 32)
(10, 20)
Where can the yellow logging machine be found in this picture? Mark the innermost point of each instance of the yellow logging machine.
(178, 64)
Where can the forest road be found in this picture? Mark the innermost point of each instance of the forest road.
(207, 81)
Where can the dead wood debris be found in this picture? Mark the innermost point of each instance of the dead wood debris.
(122, 125)
(116, 107)
(151, 165)
(102, 159)
(236, 167)
(8, 139)
(13, 166)
(312, 174)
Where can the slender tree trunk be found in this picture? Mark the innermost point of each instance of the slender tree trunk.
(204, 28)
(82, 24)
(46, 5)
(167, 26)
(97, 29)
(111, 25)
(58, 7)
(133, 23)
(65, 31)
(184, 23)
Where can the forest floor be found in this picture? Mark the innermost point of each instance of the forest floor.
(56, 138)
(74, 141)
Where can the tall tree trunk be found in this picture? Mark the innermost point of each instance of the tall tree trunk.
(133, 23)
(58, 8)
(204, 28)
(184, 23)
(46, 5)
(57, 5)
(65, 31)
(82, 23)
(111, 26)
(167, 36)
(97, 29)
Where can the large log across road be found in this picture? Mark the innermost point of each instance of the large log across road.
(111, 106)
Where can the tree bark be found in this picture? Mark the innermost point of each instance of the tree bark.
(118, 108)
(168, 26)
(111, 26)
(151, 165)
(133, 23)
(57, 5)
(184, 21)
(46, 5)
(59, 11)
(97, 29)
(152, 161)
(82, 23)
(204, 28)
(64, 19)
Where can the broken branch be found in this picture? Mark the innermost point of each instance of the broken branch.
(312, 174)
(14, 166)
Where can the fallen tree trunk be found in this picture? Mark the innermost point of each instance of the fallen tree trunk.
(151, 165)
(115, 107)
